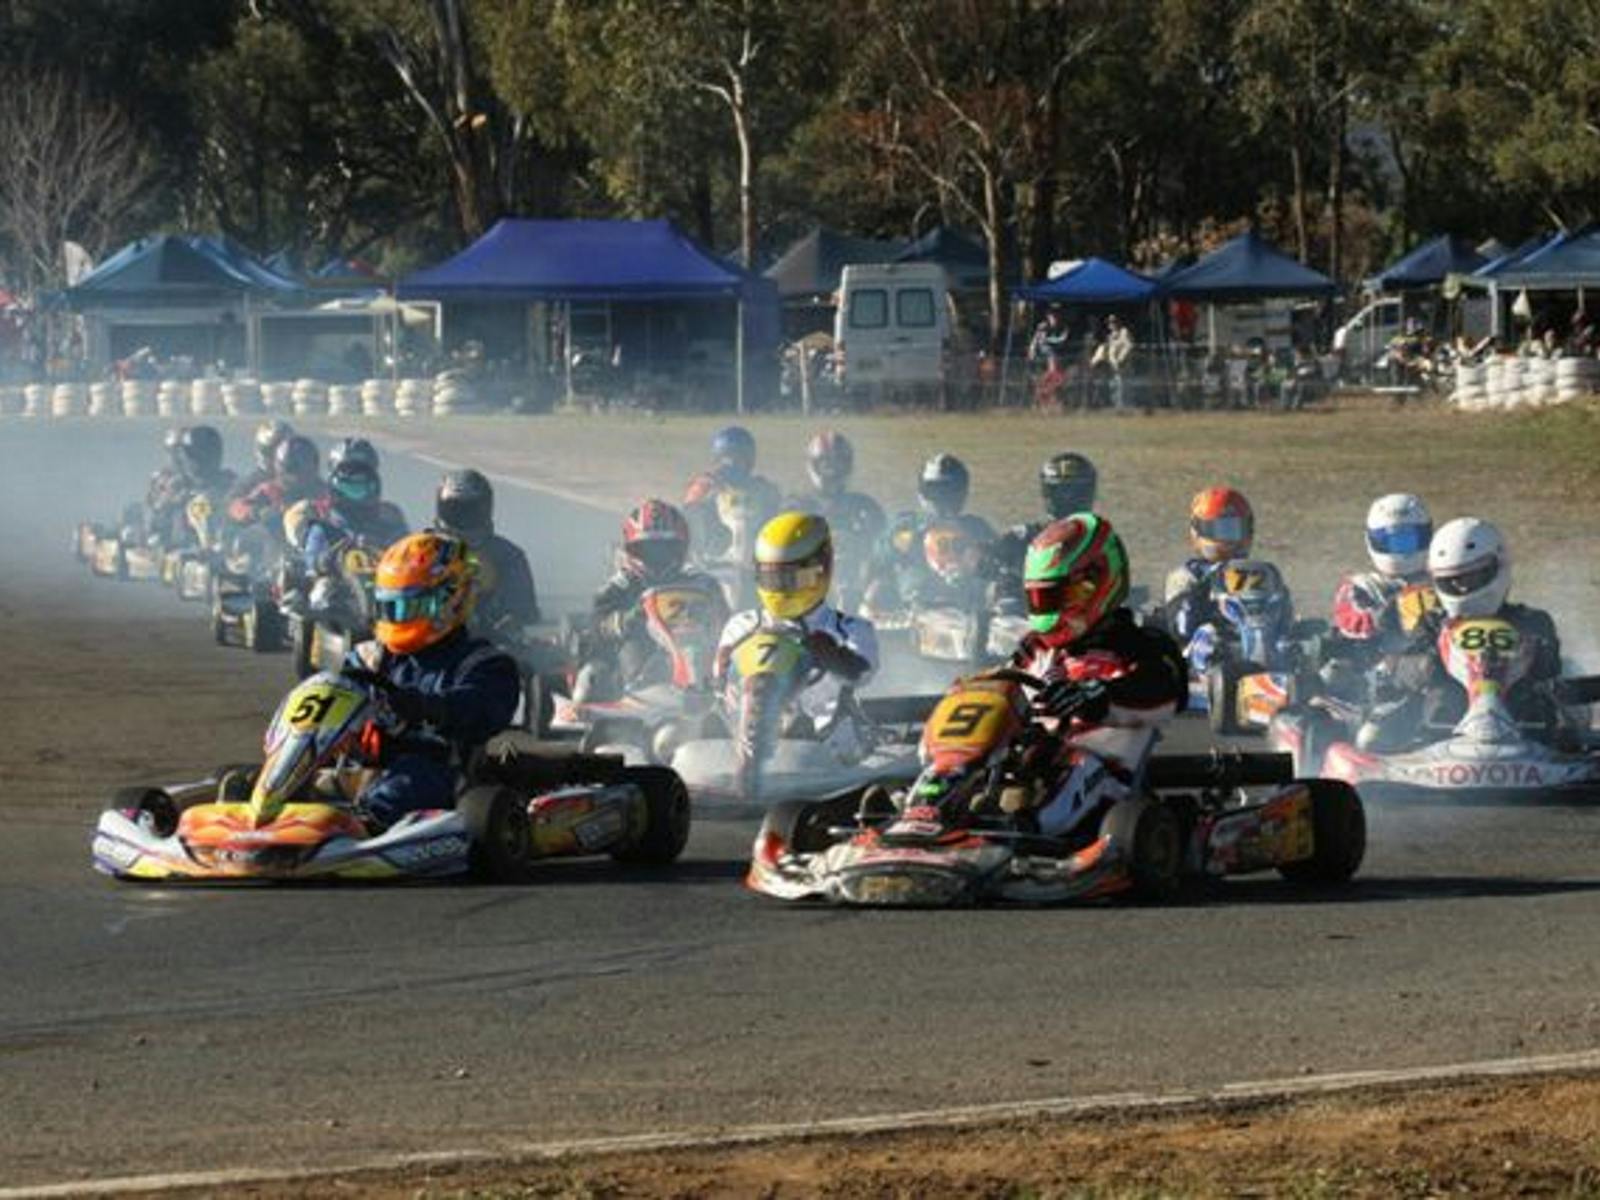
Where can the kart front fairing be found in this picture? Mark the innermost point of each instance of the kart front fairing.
(219, 842)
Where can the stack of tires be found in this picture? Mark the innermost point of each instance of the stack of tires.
(172, 398)
(10, 401)
(277, 396)
(205, 397)
(1576, 378)
(69, 400)
(344, 400)
(35, 400)
(1471, 393)
(455, 396)
(414, 397)
(309, 398)
(103, 400)
(377, 397)
(1538, 381)
(138, 397)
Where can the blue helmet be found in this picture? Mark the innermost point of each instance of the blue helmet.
(733, 452)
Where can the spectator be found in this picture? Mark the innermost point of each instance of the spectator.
(1119, 350)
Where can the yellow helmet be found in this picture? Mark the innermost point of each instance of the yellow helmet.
(794, 564)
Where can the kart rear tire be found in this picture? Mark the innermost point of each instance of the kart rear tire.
(1339, 831)
(668, 818)
(1153, 834)
(219, 630)
(157, 804)
(502, 838)
(538, 705)
(1222, 698)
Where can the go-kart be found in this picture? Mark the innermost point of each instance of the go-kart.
(328, 614)
(953, 615)
(295, 818)
(774, 750)
(189, 569)
(1251, 662)
(1486, 756)
(962, 832)
(247, 581)
(125, 551)
(669, 700)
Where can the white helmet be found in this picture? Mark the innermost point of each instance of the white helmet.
(1398, 532)
(1471, 567)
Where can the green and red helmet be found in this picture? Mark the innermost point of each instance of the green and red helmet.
(1077, 573)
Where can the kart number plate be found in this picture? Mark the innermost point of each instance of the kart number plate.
(885, 889)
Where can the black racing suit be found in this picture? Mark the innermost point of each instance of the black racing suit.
(507, 599)
(857, 524)
(900, 574)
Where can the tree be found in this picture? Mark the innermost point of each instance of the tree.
(76, 170)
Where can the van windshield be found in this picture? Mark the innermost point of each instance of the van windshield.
(869, 308)
(914, 307)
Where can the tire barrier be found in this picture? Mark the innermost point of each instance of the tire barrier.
(1511, 383)
(206, 399)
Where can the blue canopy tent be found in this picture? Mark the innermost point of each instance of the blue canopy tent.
(1245, 269)
(1427, 265)
(187, 294)
(964, 259)
(602, 262)
(1092, 281)
(1567, 262)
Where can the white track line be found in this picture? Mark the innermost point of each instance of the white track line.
(1123, 1103)
(404, 446)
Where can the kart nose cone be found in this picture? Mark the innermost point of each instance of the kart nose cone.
(925, 888)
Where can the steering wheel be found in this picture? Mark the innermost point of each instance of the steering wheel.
(1014, 675)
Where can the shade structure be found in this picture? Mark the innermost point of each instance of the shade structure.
(577, 260)
(1427, 265)
(174, 269)
(811, 266)
(1247, 268)
(964, 259)
(1566, 261)
(1092, 281)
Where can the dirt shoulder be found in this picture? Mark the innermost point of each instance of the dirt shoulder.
(1534, 1138)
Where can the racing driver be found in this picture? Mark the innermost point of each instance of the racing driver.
(448, 691)
(1099, 666)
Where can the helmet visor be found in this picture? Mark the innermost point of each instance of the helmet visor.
(1464, 583)
(1228, 528)
(359, 487)
(657, 554)
(463, 512)
(399, 605)
(1399, 539)
(1072, 594)
(791, 577)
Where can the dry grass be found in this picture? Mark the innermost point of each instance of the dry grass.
(1310, 476)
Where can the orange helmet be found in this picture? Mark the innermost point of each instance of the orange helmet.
(424, 591)
(1221, 525)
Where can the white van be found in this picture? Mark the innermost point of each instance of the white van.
(1366, 335)
(891, 325)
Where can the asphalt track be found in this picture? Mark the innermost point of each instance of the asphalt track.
(146, 1030)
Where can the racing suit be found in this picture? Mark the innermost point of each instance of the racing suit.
(1374, 616)
(857, 524)
(321, 526)
(507, 600)
(900, 574)
(1415, 691)
(711, 536)
(1133, 679)
(447, 699)
(844, 647)
(618, 646)
(168, 498)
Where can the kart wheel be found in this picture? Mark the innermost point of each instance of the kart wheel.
(538, 706)
(1222, 698)
(219, 630)
(666, 803)
(1153, 835)
(502, 839)
(148, 802)
(1319, 732)
(235, 782)
(1339, 832)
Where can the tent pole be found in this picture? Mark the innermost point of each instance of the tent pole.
(566, 348)
(738, 354)
(1005, 357)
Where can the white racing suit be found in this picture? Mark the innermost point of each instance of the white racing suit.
(855, 659)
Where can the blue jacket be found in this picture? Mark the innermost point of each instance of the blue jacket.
(458, 693)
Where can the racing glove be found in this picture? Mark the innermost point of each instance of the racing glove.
(1065, 700)
(834, 656)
